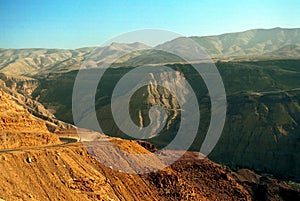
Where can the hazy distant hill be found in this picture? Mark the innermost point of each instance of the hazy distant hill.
(257, 44)
(44, 61)
(34, 61)
(246, 44)
(285, 51)
(115, 52)
(253, 44)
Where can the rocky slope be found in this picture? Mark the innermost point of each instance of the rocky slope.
(18, 128)
(20, 84)
(68, 172)
(20, 89)
(261, 131)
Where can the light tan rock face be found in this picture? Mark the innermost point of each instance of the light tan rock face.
(36, 61)
(21, 84)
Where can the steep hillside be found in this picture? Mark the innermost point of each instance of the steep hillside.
(68, 172)
(38, 167)
(20, 89)
(262, 133)
(18, 128)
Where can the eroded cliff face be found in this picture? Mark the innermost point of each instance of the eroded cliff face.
(20, 89)
(156, 95)
(20, 84)
(19, 128)
(261, 130)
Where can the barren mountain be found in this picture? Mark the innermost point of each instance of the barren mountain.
(45, 61)
(248, 45)
(288, 51)
(241, 45)
(34, 61)
(31, 169)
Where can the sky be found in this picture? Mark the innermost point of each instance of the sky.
(73, 24)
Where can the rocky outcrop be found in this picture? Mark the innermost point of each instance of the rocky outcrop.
(20, 90)
(20, 84)
(261, 130)
(19, 128)
(191, 178)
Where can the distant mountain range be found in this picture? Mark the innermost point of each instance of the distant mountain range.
(254, 44)
(247, 44)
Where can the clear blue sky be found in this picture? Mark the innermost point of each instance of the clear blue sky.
(73, 24)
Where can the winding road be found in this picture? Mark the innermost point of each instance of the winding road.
(65, 140)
